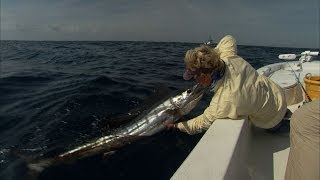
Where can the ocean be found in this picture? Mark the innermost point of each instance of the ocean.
(57, 95)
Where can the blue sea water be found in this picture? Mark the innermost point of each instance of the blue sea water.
(55, 95)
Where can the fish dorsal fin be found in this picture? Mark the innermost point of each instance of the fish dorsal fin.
(159, 93)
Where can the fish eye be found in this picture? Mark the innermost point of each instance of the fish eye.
(189, 91)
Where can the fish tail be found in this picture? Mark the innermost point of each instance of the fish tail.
(39, 166)
(35, 167)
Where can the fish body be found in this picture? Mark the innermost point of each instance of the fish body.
(147, 124)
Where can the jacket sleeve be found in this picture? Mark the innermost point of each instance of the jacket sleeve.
(226, 47)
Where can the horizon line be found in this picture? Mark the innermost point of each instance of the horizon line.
(154, 41)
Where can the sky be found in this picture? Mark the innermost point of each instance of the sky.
(278, 23)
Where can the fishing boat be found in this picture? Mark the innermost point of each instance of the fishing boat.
(209, 42)
(238, 150)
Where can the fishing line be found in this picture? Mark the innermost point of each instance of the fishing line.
(308, 97)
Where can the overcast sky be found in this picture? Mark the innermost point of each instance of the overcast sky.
(284, 23)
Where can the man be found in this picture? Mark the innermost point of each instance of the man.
(238, 90)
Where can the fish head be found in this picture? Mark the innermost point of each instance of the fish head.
(188, 100)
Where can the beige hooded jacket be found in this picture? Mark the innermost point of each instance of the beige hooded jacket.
(241, 93)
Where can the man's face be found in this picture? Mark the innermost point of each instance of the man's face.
(203, 78)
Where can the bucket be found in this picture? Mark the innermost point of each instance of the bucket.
(312, 86)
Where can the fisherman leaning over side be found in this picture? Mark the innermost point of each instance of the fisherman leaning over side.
(239, 91)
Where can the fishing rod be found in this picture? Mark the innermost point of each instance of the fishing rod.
(304, 57)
